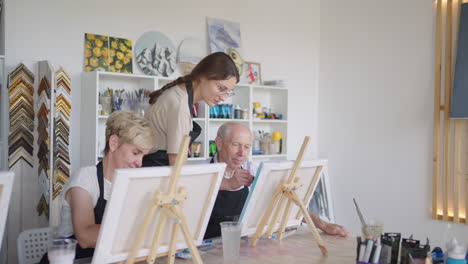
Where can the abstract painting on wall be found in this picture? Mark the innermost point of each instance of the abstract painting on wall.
(225, 36)
(155, 54)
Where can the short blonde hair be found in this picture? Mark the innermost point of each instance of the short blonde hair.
(131, 128)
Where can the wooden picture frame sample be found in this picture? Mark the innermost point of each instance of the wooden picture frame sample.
(269, 177)
(6, 187)
(132, 192)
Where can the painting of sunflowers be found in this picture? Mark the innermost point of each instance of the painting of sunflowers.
(120, 55)
(107, 54)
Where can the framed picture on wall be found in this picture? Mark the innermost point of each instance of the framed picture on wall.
(251, 73)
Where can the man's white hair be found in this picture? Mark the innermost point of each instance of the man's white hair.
(225, 130)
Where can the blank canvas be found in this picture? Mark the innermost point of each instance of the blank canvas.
(267, 180)
(132, 191)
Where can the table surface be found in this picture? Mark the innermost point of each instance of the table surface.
(299, 247)
(296, 248)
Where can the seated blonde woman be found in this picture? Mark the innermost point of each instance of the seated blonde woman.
(128, 138)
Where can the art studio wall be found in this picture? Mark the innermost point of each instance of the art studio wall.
(376, 113)
(287, 47)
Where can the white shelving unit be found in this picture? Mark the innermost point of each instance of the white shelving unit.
(93, 123)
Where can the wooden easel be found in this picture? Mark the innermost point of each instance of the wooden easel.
(170, 206)
(286, 194)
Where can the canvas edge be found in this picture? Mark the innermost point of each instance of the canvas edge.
(6, 179)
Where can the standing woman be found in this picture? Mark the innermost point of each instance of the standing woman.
(171, 110)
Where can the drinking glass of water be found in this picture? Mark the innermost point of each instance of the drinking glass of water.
(231, 233)
(61, 250)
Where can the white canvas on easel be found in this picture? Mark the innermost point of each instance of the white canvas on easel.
(132, 191)
(268, 178)
(6, 185)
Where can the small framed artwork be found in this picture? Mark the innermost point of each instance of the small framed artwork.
(252, 73)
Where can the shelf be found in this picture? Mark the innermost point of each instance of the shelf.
(92, 131)
(166, 79)
(270, 156)
(227, 120)
(271, 121)
(268, 87)
(242, 86)
(127, 75)
(200, 158)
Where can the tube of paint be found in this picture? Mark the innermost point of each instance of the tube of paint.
(358, 247)
(419, 254)
(370, 244)
(362, 251)
(386, 251)
(396, 237)
(376, 255)
(406, 245)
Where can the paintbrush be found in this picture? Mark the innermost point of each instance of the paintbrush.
(363, 222)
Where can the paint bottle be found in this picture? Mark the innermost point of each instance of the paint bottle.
(277, 142)
(266, 140)
(256, 148)
(455, 252)
(237, 112)
(212, 147)
(257, 110)
(245, 114)
(196, 149)
(213, 112)
(229, 111)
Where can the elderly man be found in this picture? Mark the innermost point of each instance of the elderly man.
(234, 141)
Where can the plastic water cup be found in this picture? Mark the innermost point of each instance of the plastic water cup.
(373, 229)
(61, 250)
(231, 234)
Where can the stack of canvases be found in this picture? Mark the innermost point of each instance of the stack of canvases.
(21, 139)
(62, 130)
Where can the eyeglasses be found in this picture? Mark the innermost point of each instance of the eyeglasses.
(228, 93)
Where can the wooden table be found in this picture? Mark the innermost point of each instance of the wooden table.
(296, 248)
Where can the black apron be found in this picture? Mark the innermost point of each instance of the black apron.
(160, 157)
(228, 205)
(98, 214)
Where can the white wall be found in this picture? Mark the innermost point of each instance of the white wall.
(287, 46)
(376, 112)
(283, 36)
